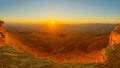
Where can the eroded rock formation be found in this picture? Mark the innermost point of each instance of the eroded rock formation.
(7, 38)
(115, 35)
(3, 33)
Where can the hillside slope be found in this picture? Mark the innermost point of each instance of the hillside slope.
(10, 58)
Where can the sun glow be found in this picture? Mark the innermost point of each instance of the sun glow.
(52, 22)
(52, 27)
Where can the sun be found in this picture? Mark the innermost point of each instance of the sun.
(52, 22)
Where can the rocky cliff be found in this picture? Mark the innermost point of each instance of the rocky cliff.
(115, 35)
(3, 34)
(6, 38)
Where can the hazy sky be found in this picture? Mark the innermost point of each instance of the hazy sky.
(67, 11)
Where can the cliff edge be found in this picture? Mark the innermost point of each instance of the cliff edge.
(9, 39)
(115, 35)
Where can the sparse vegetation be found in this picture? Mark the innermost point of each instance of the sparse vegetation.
(10, 58)
(117, 31)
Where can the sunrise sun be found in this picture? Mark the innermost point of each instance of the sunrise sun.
(52, 22)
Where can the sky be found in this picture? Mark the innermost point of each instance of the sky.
(61, 11)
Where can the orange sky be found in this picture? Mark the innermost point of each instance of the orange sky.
(61, 11)
(58, 21)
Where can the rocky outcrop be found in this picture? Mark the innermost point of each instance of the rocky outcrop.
(7, 38)
(11, 58)
(115, 35)
(3, 33)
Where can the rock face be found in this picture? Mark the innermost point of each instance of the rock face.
(7, 38)
(115, 35)
(3, 33)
